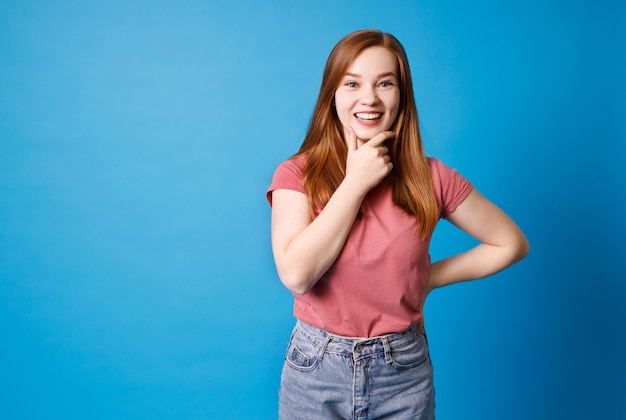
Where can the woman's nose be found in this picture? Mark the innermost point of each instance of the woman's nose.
(368, 96)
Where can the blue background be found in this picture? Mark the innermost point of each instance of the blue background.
(137, 140)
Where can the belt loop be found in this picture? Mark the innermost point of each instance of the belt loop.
(320, 355)
(387, 347)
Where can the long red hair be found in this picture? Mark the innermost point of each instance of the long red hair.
(325, 148)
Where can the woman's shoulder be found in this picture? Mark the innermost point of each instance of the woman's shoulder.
(292, 167)
(288, 175)
(449, 185)
(436, 167)
(439, 169)
(296, 162)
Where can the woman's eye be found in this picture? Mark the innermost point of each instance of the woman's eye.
(351, 84)
(385, 84)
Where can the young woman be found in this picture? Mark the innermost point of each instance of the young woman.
(352, 216)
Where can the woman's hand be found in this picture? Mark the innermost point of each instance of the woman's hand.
(367, 162)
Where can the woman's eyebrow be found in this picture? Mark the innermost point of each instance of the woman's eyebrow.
(380, 76)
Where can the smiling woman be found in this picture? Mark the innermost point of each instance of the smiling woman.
(368, 98)
(137, 140)
(352, 216)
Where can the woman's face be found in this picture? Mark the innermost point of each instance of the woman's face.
(368, 96)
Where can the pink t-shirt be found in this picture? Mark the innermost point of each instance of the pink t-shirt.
(377, 282)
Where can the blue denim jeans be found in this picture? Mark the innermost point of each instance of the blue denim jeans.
(331, 377)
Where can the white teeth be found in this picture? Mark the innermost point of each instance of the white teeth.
(368, 116)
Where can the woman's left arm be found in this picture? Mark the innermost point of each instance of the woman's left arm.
(502, 243)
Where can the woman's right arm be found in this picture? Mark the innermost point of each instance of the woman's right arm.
(303, 249)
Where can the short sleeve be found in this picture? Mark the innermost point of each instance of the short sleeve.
(451, 188)
(287, 176)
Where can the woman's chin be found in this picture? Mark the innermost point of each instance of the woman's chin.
(365, 134)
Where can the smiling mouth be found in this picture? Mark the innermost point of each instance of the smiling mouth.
(368, 116)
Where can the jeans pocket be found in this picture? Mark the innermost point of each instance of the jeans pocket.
(411, 354)
(302, 354)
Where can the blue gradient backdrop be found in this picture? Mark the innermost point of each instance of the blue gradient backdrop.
(136, 142)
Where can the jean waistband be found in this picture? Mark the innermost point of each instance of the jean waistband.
(328, 342)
